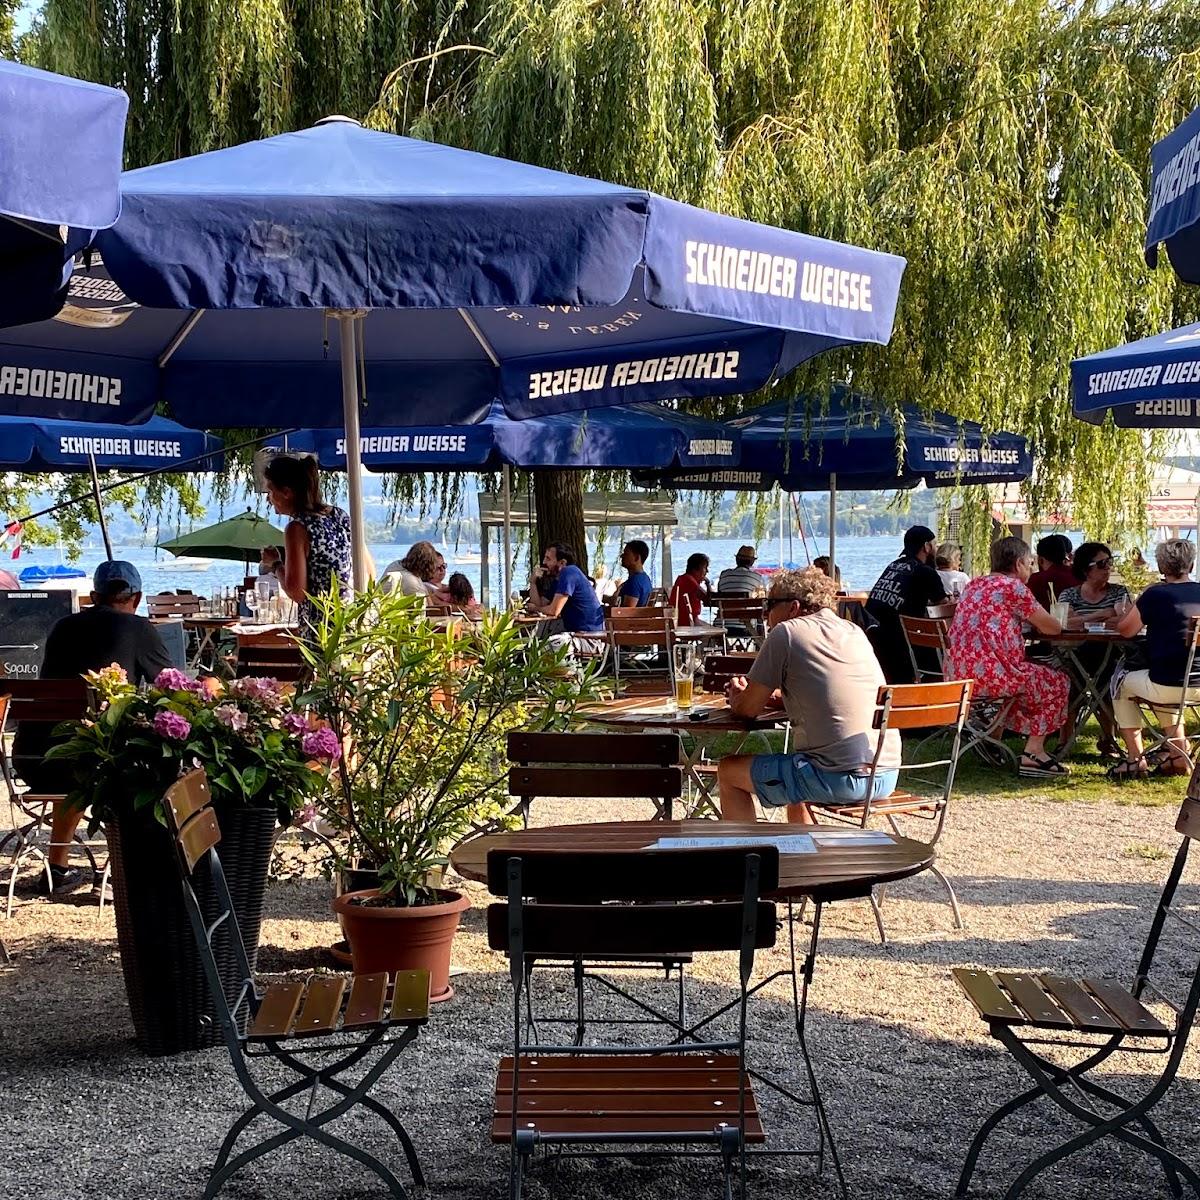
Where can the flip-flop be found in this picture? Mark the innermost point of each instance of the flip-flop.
(1032, 767)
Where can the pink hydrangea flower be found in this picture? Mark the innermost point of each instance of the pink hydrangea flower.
(172, 680)
(307, 814)
(231, 717)
(321, 743)
(171, 725)
(295, 724)
(108, 676)
(264, 691)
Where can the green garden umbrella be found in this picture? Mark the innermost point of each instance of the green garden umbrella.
(240, 538)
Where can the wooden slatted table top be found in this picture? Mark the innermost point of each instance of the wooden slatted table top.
(649, 712)
(844, 863)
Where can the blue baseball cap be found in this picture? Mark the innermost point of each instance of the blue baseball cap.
(117, 571)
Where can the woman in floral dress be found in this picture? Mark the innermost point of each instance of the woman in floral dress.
(316, 540)
(986, 644)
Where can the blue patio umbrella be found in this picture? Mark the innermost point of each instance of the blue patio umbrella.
(60, 148)
(37, 446)
(640, 435)
(1175, 199)
(450, 278)
(1153, 383)
(852, 446)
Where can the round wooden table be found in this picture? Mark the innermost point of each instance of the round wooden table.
(843, 864)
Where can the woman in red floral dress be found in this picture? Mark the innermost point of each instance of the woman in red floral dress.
(986, 644)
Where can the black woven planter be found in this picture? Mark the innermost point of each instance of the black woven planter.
(164, 981)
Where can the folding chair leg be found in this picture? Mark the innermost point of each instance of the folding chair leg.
(877, 909)
(985, 1131)
(5, 957)
(948, 887)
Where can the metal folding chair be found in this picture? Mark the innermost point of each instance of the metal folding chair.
(689, 1086)
(292, 1021)
(984, 726)
(744, 621)
(924, 706)
(640, 641)
(1187, 705)
(1100, 1017)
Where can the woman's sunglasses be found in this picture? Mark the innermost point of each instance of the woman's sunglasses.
(1102, 563)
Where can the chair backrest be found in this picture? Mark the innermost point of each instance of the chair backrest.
(167, 604)
(595, 765)
(928, 707)
(719, 669)
(193, 825)
(927, 633)
(270, 654)
(742, 609)
(594, 903)
(942, 612)
(46, 699)
(433, 609)
(639, 626)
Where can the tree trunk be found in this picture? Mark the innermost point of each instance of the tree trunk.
(558, 500)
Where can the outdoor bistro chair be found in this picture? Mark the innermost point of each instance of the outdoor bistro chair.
(47, 702)
(640, 639)
(689, 1086)
(744, 621)
(599, 766)
(292, 1020)
(1187, 705)
(924, 706)
(986, 718)
(270, 654)
(168, 604)
(1024, 1009)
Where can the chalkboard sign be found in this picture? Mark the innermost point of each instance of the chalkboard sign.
(26, 619)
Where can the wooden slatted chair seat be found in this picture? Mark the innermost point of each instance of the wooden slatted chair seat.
(624, 1097)
(899, 803)
(334, 1004)
(1045, 1001)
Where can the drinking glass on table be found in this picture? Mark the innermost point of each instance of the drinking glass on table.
(684, 664)
(1122, 606)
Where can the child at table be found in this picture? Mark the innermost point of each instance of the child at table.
(462, 595)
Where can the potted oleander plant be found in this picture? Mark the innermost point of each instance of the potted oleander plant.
(422, 710)
(265, 761)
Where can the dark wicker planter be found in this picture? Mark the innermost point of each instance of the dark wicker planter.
(168, 994)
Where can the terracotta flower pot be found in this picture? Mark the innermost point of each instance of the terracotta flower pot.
(385, 938)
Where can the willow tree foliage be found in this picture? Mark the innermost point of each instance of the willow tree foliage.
(1001, 146)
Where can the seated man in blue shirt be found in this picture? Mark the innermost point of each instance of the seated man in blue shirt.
(635, 591)
(573, 602)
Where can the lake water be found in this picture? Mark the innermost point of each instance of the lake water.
(861, 560)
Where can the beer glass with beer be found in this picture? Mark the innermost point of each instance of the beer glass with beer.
(684, 655)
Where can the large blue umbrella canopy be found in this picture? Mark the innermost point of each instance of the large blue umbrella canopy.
(1175, 199)
(1153, 383)
(35, 446)
(60, 148)
(856, 448)
(450, 278)
(641, 435)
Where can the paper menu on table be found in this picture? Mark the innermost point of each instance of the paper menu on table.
(858, 837)
(789, 843)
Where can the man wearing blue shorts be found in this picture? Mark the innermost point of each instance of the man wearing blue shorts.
(825, 673)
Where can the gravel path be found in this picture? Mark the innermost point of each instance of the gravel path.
(908, 1070)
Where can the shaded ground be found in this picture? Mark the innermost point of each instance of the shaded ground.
(908, 1070)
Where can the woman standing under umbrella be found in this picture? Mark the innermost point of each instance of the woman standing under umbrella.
(317, 538)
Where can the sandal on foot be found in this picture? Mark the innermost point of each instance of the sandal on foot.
(1033, 767)
(1164, 761)
(1127, 769)
(1107, 748)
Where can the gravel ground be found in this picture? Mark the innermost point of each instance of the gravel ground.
(908, 1070)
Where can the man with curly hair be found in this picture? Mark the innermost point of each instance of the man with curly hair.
(824, 672)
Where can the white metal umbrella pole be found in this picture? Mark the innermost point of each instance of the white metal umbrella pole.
(833, 525)
(348, 319)
(506, 570)
(781, 527)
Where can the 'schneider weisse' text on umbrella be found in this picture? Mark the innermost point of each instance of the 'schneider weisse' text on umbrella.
(1100, 383)
(60, 385)
(110, 447)
(737, 268)
(719, 364)
(968, 455)
(1177, 176)
(403, 443)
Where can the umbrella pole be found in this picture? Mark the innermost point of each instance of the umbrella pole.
(506, 486)
(347, 319)
(100, 506)
(832, 525)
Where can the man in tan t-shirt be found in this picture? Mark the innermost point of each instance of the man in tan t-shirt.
(825, 673)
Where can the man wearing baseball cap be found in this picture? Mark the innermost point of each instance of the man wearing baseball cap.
(108, 632)
(908, 585)
(742, 580)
